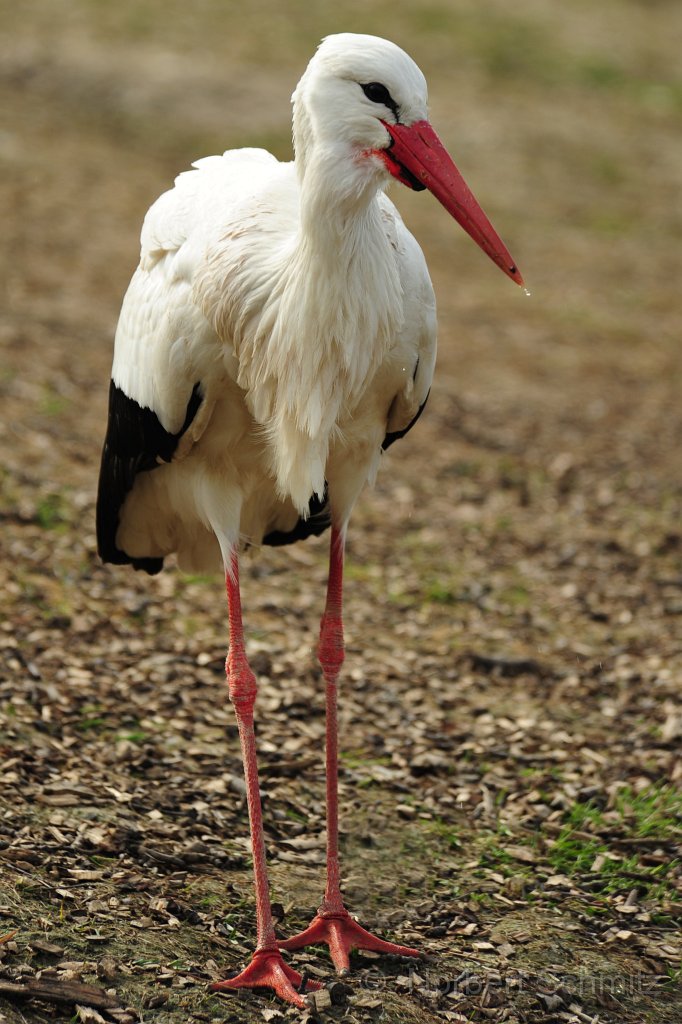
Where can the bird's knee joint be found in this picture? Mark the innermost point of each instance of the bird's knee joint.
(331, 661)
(331, 650)
(241, 683)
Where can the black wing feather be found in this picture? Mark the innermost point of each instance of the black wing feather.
(317, 521)
(395, 435)
(135, 443)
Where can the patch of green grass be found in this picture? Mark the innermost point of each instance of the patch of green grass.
(404, 599)
(674, 976)
(51, 512)
(503, 524)
(134, 736)
(357, 571)
(102, 860)
(594, 909)
(483, 899)
(570, 855)
(354, 759)
(189, 578)
(655, 811)
(234, 925)
(52, 403)
(494, 856)
(652, 884)
(583, 814)
(190, 625)
(601, 73)
(440, 592)
(445, 831)
(294, 815)
(416, 843)
(517, 596)
(209, 901)
(88, 724)
(92, 718)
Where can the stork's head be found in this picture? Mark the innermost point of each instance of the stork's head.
(362, 104)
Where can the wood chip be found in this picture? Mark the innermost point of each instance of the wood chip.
(56, 991)
(88, 1015)
(41, 946)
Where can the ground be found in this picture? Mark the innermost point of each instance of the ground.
(510, 706)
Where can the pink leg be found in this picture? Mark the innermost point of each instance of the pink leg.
(333, 924)
(267, 968)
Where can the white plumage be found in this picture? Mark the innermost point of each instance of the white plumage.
(297, 299)
(278, 334)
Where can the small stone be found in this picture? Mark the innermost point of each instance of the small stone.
(339, 993)
(107, 969)
(551, 1000)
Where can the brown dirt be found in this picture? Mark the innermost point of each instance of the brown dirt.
(510, 709)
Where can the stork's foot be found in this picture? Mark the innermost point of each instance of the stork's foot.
(268, 970)
(341, 933)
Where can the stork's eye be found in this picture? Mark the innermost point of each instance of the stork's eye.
(378, 93)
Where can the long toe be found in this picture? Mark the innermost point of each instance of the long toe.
(342, 934)
(268, 970)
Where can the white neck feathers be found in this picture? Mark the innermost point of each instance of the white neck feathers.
(310, 313)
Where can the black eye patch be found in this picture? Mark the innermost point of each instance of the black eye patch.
(378, 93)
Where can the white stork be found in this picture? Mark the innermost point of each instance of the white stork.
(278, 334)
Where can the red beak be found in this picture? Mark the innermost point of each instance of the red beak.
(419, 159)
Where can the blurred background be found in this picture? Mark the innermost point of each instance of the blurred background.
(514, 579)
(563, 118)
